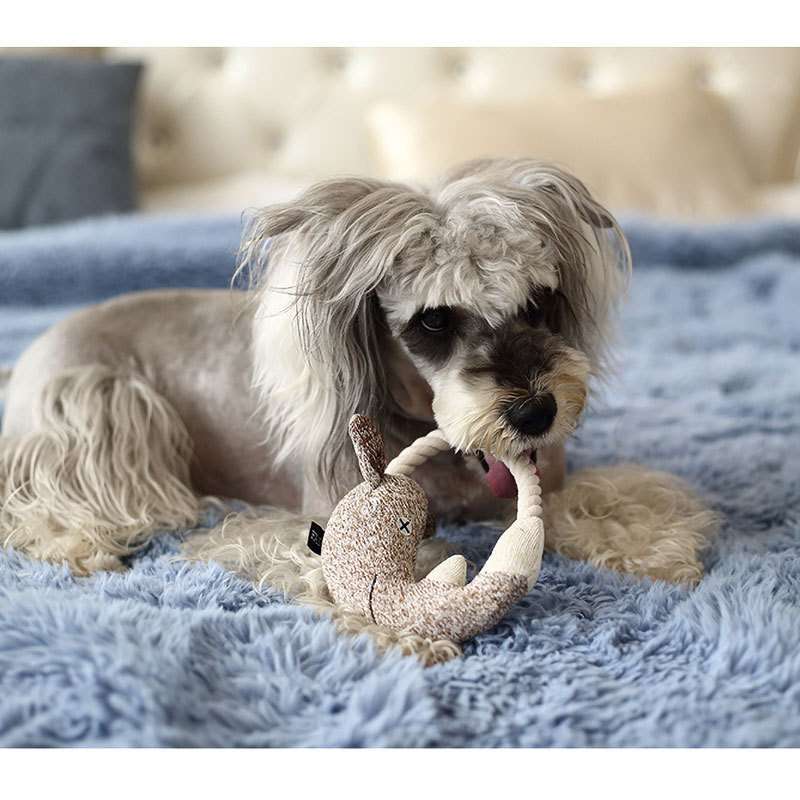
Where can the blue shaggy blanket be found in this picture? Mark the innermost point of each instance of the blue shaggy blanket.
(172, 653)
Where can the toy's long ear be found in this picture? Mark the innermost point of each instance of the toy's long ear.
(368, 444)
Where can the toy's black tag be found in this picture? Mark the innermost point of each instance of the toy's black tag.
(315, 534)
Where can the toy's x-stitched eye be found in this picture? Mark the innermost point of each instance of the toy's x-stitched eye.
(405, 526)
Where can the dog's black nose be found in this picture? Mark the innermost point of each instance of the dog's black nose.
(533, 415)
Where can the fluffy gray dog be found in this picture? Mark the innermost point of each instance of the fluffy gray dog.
(483, 306)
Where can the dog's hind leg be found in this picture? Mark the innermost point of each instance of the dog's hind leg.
(632, 519)
(105, 464)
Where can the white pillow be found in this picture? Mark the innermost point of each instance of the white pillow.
(669, 151)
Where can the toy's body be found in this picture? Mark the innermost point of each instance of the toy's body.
(370, 545)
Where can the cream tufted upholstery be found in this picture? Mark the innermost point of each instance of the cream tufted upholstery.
(232, 126)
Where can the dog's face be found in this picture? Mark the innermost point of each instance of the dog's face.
(497, 286)
(478, 309)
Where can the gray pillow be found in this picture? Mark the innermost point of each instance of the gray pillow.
(65, 139)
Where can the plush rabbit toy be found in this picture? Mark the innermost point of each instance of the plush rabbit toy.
(369, 548)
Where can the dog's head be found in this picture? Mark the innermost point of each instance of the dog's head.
(486, 300)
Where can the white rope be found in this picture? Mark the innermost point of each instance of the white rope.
(529, 490)
(418, 453)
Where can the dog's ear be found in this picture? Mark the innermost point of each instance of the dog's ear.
(566, 188)
(539, 176)
(345, 235)
(563, 188)
(319, 204)
(593, 258)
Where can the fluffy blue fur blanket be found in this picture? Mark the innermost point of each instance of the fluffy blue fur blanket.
(171, 653)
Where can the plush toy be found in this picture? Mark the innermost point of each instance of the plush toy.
(370, 544)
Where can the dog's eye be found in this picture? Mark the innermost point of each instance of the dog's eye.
(436, 320)
(533, 314)
(536, 310)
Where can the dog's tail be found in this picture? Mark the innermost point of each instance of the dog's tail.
(107, 463)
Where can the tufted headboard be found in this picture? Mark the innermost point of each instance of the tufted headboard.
(301, 111)
(211, 115)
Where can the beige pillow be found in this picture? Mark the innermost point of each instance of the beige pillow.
(668, 151)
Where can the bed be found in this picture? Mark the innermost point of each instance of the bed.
(179, 653)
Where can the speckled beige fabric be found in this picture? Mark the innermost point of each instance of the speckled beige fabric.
(370, 449)
(368, 554)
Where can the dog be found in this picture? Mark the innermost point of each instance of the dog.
(483, 305)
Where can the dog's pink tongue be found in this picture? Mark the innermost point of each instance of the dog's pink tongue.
(500, 479)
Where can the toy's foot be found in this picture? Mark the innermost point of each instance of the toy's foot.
(519, 550)
(452, 571)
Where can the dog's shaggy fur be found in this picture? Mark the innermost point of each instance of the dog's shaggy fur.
(484, 305)
(107, 463)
